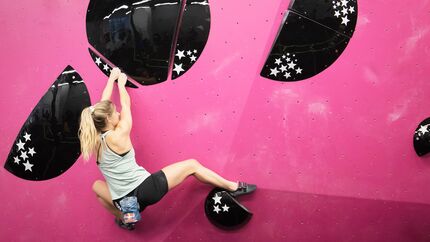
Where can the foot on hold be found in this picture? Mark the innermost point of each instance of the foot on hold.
(243, 188)
(129, 226)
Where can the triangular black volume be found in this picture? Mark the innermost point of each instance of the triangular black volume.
(47, 144)
(193, 35)
(105, 67)
(302, 49)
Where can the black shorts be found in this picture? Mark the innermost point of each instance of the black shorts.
(150, 191)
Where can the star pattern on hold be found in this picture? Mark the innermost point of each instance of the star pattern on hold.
(28, 166)
(225, 208)
(217, 199)
(216, 209)
(286, 66)
(20, 145)
(274, 71)
(422, 130)
(98, 61)
(16, 159)
(180, 54)
(24, 155)
(345, 20)
(342, 9)
(31, 151)
(23, 152)
(102, 65)
(27, 137)
(178, 69)
(184, 58)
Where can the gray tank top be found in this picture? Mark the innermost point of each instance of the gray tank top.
(122, 173)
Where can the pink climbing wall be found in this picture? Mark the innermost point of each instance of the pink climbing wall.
(332, 155)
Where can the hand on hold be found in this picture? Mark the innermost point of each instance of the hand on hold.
(114, 73)
(122, 79)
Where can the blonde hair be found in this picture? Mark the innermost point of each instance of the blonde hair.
(93, 120)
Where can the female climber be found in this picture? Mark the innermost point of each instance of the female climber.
(105, 133)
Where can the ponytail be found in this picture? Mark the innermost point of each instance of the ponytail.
(88, 134)
(93, 121)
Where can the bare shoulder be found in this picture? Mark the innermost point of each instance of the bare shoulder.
(118, 140)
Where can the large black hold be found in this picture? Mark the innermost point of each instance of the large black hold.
(422, 138)
(139, 36)
(224, 211)
(105, 67)
(193, 35)
(47, 144)
(313, 35)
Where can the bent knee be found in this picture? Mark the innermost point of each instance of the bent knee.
(193, 162)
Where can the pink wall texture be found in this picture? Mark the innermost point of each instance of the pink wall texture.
(332, 155)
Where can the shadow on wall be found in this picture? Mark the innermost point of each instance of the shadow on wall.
(290, 216)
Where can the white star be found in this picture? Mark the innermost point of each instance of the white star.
(16, 159)
(337, 14)
(28, 166)
(278, 61)
(216, 209)
(291, 65)
(338, 3)
(287, 75)
(31, 151)
(274, 71)
(217, 199)
(284, 68)
(288, 59)
(299, 70)
(180, 54)
(178, 69)
(27, 136)
(345, 20)
(225, 208)
(283, 57)
(344, 2)
(24, 155)
(105, 67)
(345, 11)
(195, 51)
(20, 145)
(98, 61)
(189, 52)
(423, 129)
(351, 9)
(193, 58)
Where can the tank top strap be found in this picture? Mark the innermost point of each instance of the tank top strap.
(103, 135)
(103, 140)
